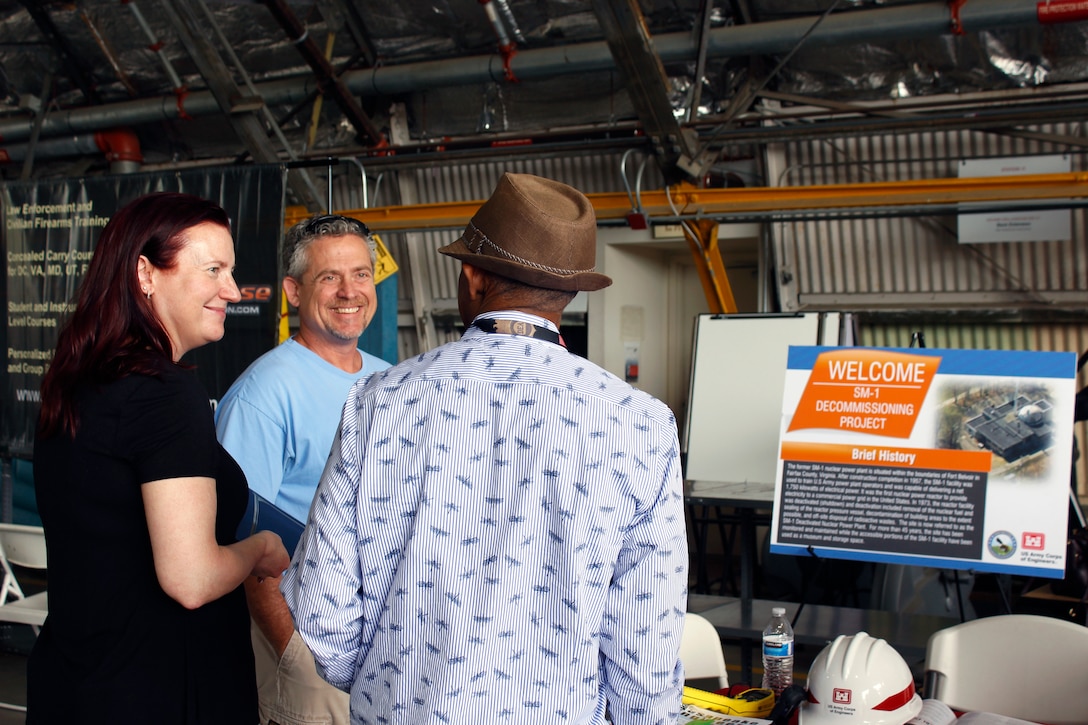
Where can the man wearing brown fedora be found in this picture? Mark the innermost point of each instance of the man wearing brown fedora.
(498, 535)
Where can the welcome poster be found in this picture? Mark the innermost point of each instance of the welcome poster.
(946, 458)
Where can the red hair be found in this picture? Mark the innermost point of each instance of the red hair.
(114, 331)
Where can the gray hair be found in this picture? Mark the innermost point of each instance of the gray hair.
(299, 238)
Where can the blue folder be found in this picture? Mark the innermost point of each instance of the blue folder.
(262, 515)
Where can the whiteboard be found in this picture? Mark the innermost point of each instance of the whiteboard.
(738, 369)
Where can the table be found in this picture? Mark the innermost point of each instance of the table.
(743, 618)
(747, 498)
(743, 622)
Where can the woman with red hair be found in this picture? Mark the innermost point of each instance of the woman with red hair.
(147, 619)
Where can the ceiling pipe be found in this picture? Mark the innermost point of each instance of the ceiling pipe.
(922, 20)
(507, 47)
(180, 91)
(510, 20)
(122, 149)
(120, 146)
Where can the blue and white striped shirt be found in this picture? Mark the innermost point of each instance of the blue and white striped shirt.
(498, 537)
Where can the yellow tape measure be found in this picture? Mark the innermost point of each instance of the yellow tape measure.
(756, 702)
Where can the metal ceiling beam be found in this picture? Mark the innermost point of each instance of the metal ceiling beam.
(919, 118)
(741, 10)
(700, 60)
(109, 52)
(230, 100)
(73, 65)
(239, 107)
(331, 85)
(981, 117)
(746, 96)
(647, 85)
(888, 23)
(686, 201)
(338, 13)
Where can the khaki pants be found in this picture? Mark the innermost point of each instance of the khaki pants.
(289, 690)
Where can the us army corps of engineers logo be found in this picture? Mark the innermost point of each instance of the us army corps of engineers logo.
(841, 702)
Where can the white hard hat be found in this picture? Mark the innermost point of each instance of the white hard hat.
(859, 680)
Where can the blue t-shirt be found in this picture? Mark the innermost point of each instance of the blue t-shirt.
(279, 417)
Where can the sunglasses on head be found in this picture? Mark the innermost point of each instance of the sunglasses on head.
(314, 224)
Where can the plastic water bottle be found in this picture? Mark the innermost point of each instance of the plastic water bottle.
(778, 652)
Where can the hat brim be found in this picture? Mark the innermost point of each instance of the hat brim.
(578, 282)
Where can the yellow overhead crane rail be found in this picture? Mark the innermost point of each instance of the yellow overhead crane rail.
(693, 202)
(709, 207)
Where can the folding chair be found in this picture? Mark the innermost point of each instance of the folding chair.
(22, 546)
(1019, 665)
(701, 651)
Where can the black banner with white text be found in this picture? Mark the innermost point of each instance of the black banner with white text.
(48, 237)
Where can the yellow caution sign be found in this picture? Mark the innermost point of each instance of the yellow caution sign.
(384, 265)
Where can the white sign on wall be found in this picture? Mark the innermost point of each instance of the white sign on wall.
(999, 225)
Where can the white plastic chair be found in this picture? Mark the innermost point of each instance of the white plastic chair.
(1018, 665)
(701, 651)
(22, 546)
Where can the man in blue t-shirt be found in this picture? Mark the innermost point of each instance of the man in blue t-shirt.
(278, 420)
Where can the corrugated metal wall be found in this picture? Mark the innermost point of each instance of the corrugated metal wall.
(915, 262)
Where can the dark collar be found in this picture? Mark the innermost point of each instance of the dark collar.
(518, 327)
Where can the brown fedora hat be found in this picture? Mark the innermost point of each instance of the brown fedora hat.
(536, 231)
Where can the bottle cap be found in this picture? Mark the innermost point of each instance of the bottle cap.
(778, 611)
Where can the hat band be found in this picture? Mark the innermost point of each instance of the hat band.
(477, 239)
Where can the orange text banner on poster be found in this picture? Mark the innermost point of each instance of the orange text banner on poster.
(866, 390)
(935, 459)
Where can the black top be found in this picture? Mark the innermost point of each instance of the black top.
(115, 647)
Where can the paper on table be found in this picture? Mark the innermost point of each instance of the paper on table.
(692, 714)
(989, 718)
(933, 712)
